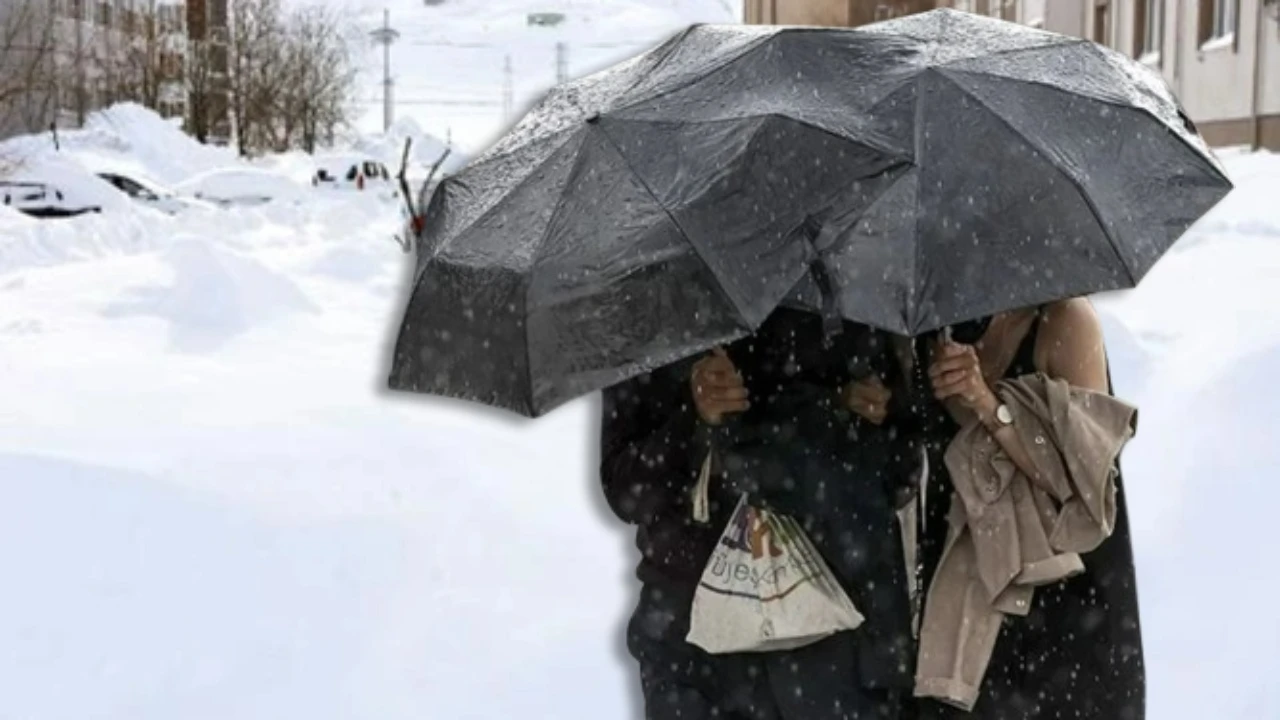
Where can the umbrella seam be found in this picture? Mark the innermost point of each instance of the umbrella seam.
(1094, 97)
(720, 285)
(1093, 207)
(698, 78)
(542, 239)
(889, 152)
(662, 53)
(1097, 49)
(1064, 42)
(661, 60)
(917, 152)
(458, 180)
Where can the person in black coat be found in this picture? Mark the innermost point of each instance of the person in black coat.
(793, 446)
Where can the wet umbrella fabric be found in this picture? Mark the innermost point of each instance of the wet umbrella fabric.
(928, 170)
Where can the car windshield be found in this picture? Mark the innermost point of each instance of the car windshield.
(133, 188)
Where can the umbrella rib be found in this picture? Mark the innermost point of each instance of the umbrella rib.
(1058, 43)
(542, 239)
(720, 286)
(459, 179)
(664, 52)
(918, 153)
(661, 52)
(1199, 152)
(698, 78)
(1093, 206)
(1084, 93)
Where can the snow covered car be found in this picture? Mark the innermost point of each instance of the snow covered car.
(353, 173)
(242, 187)
(150, 194)
(41, 200)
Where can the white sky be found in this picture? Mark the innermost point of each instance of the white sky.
(449, 64)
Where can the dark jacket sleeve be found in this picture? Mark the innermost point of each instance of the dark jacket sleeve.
(647, 445)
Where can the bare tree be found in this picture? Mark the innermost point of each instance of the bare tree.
(292, 75)
(139, 70)
(28, 47)
(325, 73)
(257, 35)
(201, 88)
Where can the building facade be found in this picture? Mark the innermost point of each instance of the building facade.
(61, 60)
(842, 13)
(1221, 57)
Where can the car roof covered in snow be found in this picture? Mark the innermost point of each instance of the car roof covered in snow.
(79, 186)
(239, 182)
(342, 161)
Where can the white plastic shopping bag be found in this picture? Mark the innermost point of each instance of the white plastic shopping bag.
(765, 587)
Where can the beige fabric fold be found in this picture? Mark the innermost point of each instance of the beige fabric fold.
(1009, 533)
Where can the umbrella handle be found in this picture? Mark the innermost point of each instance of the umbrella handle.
(832, 322)
(919, 425)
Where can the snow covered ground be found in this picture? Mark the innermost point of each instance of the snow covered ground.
(213, 509)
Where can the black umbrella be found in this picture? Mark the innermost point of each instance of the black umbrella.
(925, 171)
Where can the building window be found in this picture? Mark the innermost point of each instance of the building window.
(1148, 26)
(1102, 22)
(1218, 20)
(1224, 18)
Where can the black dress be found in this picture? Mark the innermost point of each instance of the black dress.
(1078, 654)
(797, 451)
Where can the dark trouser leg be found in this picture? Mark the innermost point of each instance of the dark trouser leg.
(680, 681)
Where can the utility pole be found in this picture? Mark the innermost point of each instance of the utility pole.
(508, 89)
(385, 36)
(562, 63)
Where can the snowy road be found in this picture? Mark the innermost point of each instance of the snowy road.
(212, 509)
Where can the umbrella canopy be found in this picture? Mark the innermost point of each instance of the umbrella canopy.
(920, 172)
(1043, 167)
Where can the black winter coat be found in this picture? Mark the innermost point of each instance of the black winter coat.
(794, 450)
